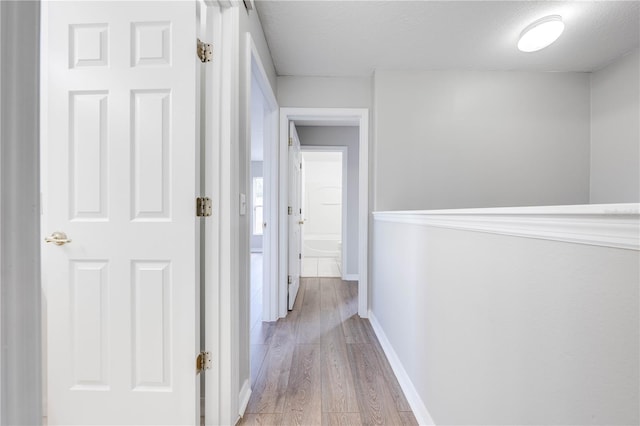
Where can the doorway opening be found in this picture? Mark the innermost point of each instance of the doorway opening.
(292, 122)
(256, 206)
(324, 210)
(262, 211)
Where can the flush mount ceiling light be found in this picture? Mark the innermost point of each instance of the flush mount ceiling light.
(541, 33)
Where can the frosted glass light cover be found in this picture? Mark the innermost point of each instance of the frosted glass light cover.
(541, 33)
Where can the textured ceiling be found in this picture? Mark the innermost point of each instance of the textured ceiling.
(353, 38)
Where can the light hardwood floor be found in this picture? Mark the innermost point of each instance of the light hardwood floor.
(323, 365)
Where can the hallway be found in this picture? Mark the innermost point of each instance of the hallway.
(323, 365)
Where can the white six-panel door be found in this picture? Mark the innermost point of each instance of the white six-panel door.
(122, 295)
(295, 235)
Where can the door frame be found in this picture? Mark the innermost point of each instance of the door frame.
(344, 150)
(270, 177)
(328, 116)
(210, 29)
(220, 231)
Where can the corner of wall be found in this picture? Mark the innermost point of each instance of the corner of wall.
(614, 173)
(372, 144)
(372, 183)
(1, 288)
(591, 137)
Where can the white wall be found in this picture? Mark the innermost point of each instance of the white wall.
(349, 137)
(20, 345)
(615, 131)
(324, 92)
(1, 314)
(250, 21)
(449, 139)
(503, 330)
(257, 122)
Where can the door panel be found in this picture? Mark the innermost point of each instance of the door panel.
(295, 234)
(121, 296)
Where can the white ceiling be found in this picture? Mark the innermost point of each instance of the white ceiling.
(353, 38)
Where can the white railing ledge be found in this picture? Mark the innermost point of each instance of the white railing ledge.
(608, 225)
(581, 209)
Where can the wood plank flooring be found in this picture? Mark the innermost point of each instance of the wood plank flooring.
(322, 365)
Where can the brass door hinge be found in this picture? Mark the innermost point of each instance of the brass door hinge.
(203, 207)
(290, 210)
(290, 141)
(203, 362)
(205, 51)
(289, 279)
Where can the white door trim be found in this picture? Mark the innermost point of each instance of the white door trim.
(354, 116)
(209, 82)
(270, 176)
(345, 199)
(221, 236)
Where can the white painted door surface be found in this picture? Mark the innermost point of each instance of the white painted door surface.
(122, 295)
(295, 216)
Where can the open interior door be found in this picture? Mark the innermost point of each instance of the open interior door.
(295, 214)
(119, 213)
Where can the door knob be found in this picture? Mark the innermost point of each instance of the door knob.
(58, 238)
(301, 222)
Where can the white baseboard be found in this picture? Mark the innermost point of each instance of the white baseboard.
(243, 397)
(350, 277)
(417, 405)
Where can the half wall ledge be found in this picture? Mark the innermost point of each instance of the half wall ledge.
(607, 225)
